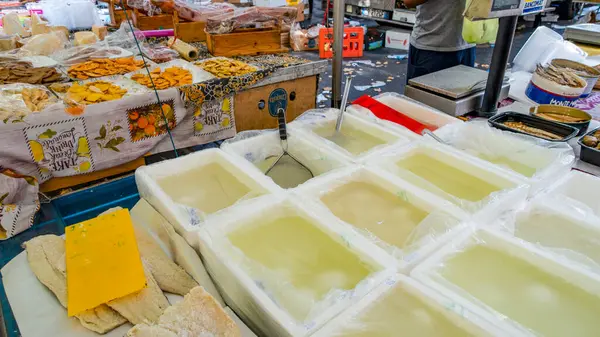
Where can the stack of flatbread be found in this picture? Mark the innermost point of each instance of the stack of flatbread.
(197, 315)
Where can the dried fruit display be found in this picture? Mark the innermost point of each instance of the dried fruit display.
(94, 92)
(222, 67)
(26, 74)
(170, 77)
(35, 99)
(104, 67)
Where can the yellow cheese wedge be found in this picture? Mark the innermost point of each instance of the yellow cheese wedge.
(103, 261)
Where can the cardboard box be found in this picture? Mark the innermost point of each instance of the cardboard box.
(404, 16)
(397, 39)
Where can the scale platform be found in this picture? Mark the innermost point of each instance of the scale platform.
(587, 33)
(455, 91)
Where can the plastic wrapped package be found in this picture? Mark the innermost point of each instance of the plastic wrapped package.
(416, 110)
(145, 6)
(304, 39)
(190, 190)
(160, 54)
(582, 189)
(44, 44)
(193, 12)
(19, 100)
(125, 37)
(263, 148)
(519, 288)
(288, 268)
(560, 226)
(252, 17)
(11, 25)
(357, 138)
(469, 182)
(405, 221)
(403, 304)
(73, 14)
(539, 161)
(80, 54)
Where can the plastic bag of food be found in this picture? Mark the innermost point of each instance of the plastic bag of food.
(480, 31)
(127, 38)
(79, 54)
(193, 12)
(18, 100)
(160, 54)
(145, 6)
(253, 17)
(44, 44)
(304, 39)
(12, 25)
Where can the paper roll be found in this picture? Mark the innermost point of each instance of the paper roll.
(185, 50)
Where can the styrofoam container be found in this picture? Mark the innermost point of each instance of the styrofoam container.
(582, 188)
(312, 121)
(537, 161)
(261, 145)
(185, 218)
(416, 110)
(395, 290)
(255, 290)
(554, 223)
(509, 189)
(442, 222)
(430, 274)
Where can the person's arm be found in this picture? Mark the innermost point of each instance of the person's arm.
(413, 3)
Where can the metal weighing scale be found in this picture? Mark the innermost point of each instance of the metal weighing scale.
(586, 33)
(459, 90)
(455, 91)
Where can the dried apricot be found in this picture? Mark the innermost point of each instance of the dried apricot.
(134, 115)
(150, 130)
(142, 122)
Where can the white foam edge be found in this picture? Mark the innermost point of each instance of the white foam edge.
(276, 319)
(475, 325)
(369, 127)
(427, 273)
(420, 198)
(465, 162)
(578, 186)
(416, 110)
(147, 177)
(295, 140)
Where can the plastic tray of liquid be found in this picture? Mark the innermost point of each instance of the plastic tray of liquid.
(263, 149)
(581, 187)
(357, 136)
(539, 162)
(403, 305)
(190, 189)
(407, 222)
(287, 269)
(554, 223)
(466, 181)
(515, 286)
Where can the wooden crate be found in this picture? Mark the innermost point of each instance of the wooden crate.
(188, 31)
(156, 22)
(249, 42)
(249, 115)
(117, 16)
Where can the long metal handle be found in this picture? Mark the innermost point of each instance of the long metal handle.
(338, 124)
(282, 124)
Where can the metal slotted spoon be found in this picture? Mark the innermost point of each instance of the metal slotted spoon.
(297, 172)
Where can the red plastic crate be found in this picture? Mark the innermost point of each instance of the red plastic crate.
(354, 39)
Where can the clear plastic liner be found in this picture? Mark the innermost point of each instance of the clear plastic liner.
(80, 54)
(73, 14)
(192, 189)
(44, 44)
(416, 110)
(252, 17)
(405, 221)
(582, 190)
(287, 268)
(358, 137)
(198, 74)
(19, 100)
(192, 12)
(522, 289)
(539, 161)
(262, 148)
(469, 182)
(561, 226)
(125, 37)
(403, 304)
